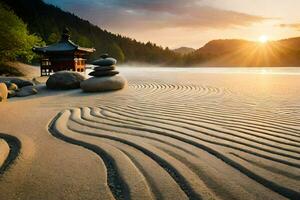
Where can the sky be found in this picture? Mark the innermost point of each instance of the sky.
(190, 23)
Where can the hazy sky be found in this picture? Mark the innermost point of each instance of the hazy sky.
(191, 23)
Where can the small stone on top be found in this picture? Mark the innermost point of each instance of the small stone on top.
(104, 56)
(105, 62)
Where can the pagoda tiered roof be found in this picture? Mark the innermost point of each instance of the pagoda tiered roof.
(65, 45)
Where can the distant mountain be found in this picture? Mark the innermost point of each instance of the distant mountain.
(218, 47)
(184, 50)
(231, 53)
(48, 22)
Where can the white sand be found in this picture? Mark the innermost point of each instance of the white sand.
(182, 134)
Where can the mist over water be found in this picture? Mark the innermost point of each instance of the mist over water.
(209, 70)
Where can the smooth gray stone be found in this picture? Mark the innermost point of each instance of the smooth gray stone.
(3, 92)
(64, 80)
(11, 86)
(105, 68)
(103, 73)
(18, 81)
(26, 91)
(103, 84)
(105, 62)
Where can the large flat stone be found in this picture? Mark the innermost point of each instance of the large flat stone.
(26, 91)
(103, 84)
(18, 81)
(64, 80)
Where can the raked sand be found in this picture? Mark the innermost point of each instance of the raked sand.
(170, 134)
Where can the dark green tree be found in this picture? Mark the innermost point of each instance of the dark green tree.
(116, 51)
(15, 41)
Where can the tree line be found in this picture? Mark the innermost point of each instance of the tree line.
(42, 21)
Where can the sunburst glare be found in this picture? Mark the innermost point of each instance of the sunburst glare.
(263, 39)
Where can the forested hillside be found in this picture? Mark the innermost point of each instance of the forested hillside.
(48, 21)
(243, 53)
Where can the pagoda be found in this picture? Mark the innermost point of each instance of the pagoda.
(64, 55)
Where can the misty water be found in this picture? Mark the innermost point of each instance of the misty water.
(212, 70)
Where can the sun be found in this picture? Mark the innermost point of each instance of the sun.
(263, 39)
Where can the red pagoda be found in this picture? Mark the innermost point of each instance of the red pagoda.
(64, 55)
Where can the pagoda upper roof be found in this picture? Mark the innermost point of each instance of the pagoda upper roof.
(64, 45)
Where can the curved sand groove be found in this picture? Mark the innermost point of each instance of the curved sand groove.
(184, 185)
(59, 127)
(243, 127)
(232, 115)
(227, 120)
(4, 151)
(195, 124)
(142, 123)
(167, 122)
(156, 177)
(117, 186)
(172, 141)
(9, 150)
(179, 92)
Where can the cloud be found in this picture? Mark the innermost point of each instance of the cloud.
(292, 26)
(156, 14)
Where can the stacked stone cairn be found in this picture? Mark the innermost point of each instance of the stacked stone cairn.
(104, 76)
(105, 67)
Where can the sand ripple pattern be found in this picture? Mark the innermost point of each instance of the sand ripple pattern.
(9, 150)
(170, 141)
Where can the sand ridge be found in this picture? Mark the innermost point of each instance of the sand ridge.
(9, 150)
